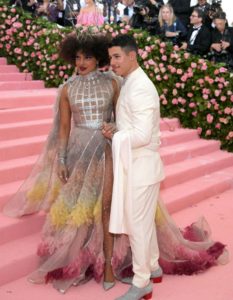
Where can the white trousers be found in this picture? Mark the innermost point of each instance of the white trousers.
(142, 237)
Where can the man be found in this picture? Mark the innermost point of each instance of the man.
(198, 37)
(222, 41)
(206, 8)
(68, 11)
(182, 10)
(138, 169)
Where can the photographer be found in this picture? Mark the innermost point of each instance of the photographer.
(182, 10)
(170, 27)
(27, 5)
(146, 15)
(222, 41)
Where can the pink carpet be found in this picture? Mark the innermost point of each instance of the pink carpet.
(199, 181)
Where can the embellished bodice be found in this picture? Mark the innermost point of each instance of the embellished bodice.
(91, 99)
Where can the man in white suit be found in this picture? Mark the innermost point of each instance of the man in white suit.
(138, 169)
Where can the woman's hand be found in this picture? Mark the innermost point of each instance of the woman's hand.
(62, 172)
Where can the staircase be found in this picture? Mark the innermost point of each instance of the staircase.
(199, 181)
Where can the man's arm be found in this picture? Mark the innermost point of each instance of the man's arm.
(142, 104)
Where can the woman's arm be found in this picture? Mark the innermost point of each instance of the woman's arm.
(63, 135)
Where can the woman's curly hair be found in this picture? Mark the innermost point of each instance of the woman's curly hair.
(90, 44)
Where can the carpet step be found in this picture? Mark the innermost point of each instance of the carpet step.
(25, 98)
(25, 129)
(23, 147)
(189, 169)
(13, 229)
(24, 114)
(16, 169)
(7, 191)
(15, 76)
(182, 196)
(183, 151)
(19, 256)
(8, 68)
(178, 136)
(21, 85)
(218, 212)
(3, 61)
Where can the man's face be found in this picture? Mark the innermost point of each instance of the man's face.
(202, 2)
(120, 60)
(220, 24)
(194, 19)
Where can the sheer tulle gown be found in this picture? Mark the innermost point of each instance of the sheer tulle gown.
(71, 249)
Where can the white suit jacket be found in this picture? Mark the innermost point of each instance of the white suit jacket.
(136, 158)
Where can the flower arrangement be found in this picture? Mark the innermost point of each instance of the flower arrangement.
(191, 88)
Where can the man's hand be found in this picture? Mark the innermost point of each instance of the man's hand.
(108, 130)
(225, 45)
(217, 47)
(184, 46)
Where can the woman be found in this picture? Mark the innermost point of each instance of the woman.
(90, 15)
(170, 27)
(74, 175)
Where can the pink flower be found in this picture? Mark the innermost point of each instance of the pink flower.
(222, 70)
(208, 132)
(190, 95)
(199, 130)
(178, 85)
(61, 73)
(223, 120)
(205, 96)
(165, 77)
(174, 92)
(192, 104)
(184, 78)
(204, 67)
(216, 72)
(194, 113)
(209, 118)
(179, 71)
(164, 102)
(162, 45)
(186, 55)
(162, 51)
(217, 93)
(18, 50)
(158, 77)
(227, 110)
(175, 101)
(193, 65)
(223, 98)
(218, 126)
(164, 58)
(17, 25)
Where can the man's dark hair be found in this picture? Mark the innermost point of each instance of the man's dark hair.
(200, 13)
(221, 15)
(124, 41)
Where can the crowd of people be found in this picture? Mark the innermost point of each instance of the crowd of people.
(202, 29)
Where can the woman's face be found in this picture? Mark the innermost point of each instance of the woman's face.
(85, 63)
(89, 2)
(166, 14)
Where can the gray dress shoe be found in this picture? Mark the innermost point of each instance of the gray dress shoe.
(135, 293)
(108, 285)
(156, 277)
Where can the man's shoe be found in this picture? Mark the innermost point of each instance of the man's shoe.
(135, 293)
(156, 277)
